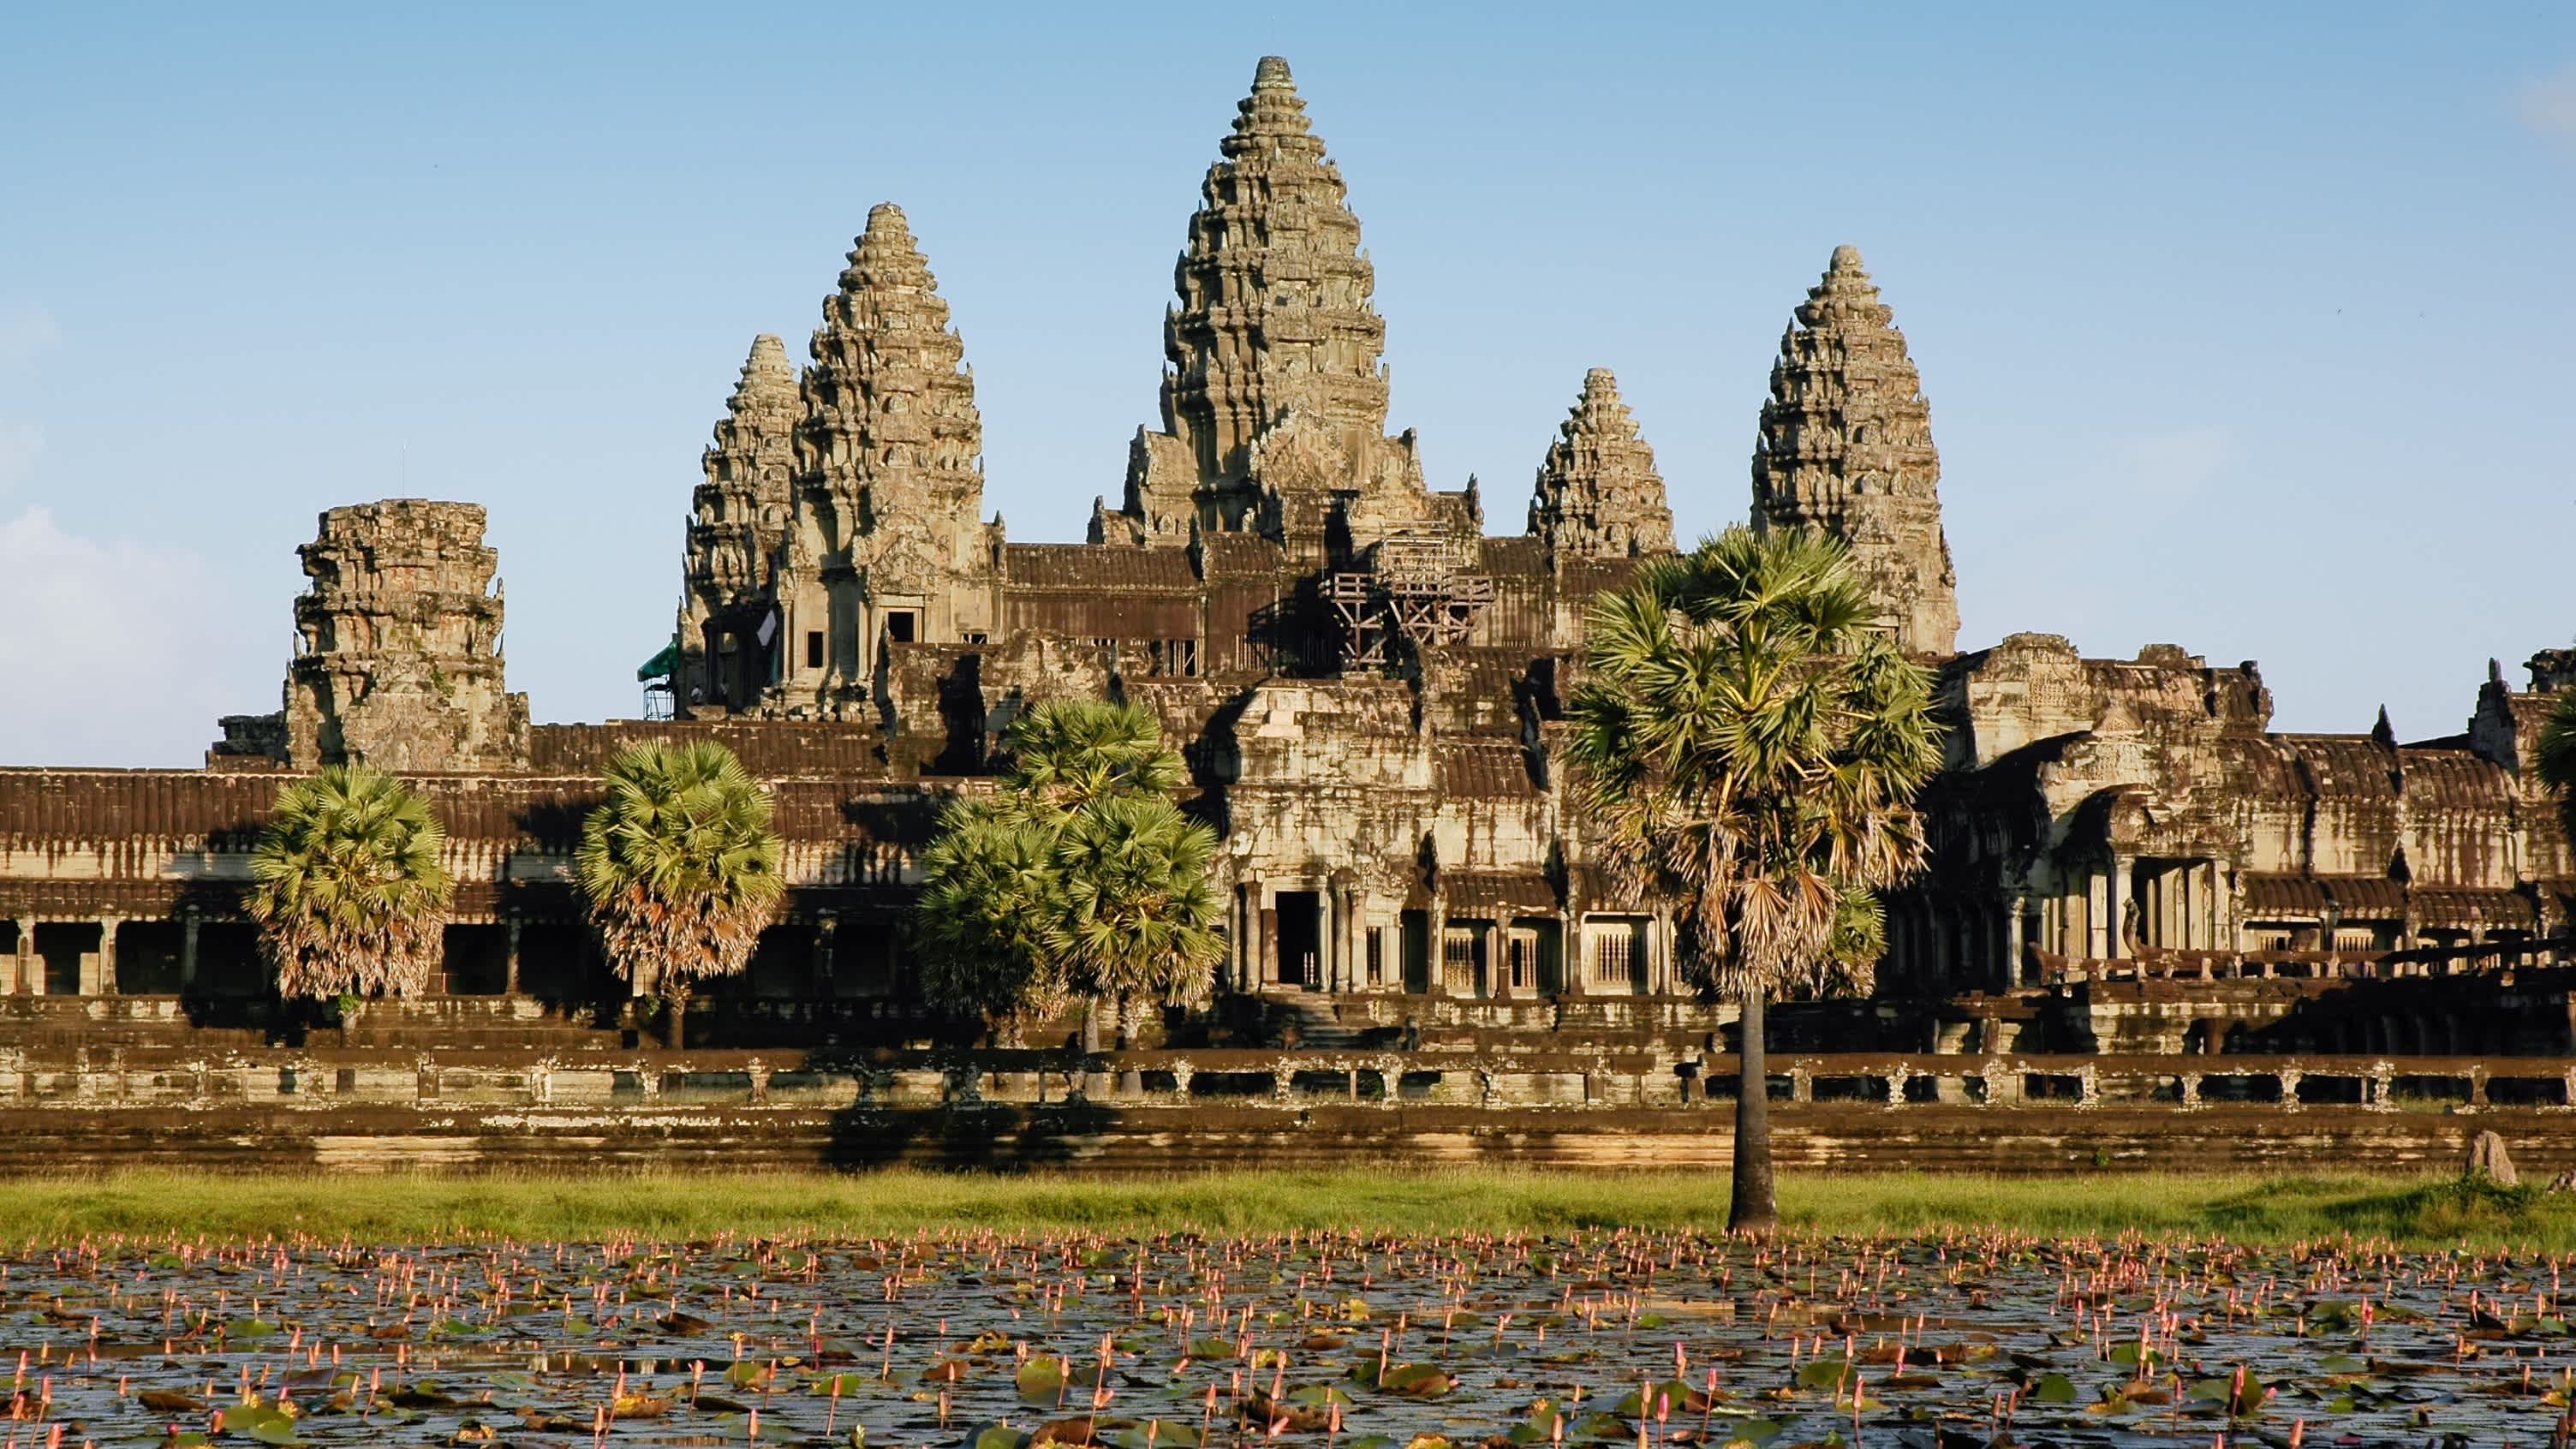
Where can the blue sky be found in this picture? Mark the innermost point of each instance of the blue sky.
(2244, 327)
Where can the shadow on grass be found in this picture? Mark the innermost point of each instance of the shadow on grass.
(2474, 1209)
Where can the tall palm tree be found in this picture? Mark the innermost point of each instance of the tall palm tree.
(1751, 741)
(681, 868)
(1136, 917)
(2557, 759)
(348, 888)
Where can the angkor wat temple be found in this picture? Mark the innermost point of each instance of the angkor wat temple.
(1366, 675)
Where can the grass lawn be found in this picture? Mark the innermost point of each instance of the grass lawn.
(2415, 1211)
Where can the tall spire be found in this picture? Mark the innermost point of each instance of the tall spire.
(1274, 310)
(1598, 492)
(891, 441)
(742, 506)
(1846, 446)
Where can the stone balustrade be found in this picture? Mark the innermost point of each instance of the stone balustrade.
(325, 1079)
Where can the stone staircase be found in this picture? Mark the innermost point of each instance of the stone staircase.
(1319, 1026)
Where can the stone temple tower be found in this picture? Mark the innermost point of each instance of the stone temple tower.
(398, 650)
(738, 530)
(1598, 493)
(1274, 399)
(1846, 446)
(884, 543)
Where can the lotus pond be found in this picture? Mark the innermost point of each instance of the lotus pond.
(1353, 1341)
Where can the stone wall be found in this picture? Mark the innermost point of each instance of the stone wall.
(327, 1108)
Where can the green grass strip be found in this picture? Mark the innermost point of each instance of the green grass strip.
(2420, 1212)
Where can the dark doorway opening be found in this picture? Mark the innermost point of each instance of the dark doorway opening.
(61, 945)
(475, 960)
(147, 958)
(1416, 929)
(1301, 939)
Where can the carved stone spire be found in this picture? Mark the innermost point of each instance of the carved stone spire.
(1274, 312)
(742, 506)
(890, 479)
(741, 512)
(891, 438)
(1846, 446)
(1599, 495)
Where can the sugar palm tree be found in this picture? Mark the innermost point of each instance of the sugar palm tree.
(681, 868)
(981, 921)
(1067, 752)
(1751, 741)
(1079, 880)
(348, 888)
(1136, 917)
(2557, 759)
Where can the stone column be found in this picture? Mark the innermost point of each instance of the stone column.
(1246, 947)
(1335, 906)
(826, 925)
(23, 980)
(1332, 928)
(1436, 949)
(188, 951)
(2011, 974)
(1266, 927)
(1356, 933)
(105, 984)
(510, 968)
(1570, 981)
(2115, 911)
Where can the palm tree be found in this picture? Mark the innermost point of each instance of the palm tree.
(1136, 916)
(1081, 879)
(681, 868)
(1067, 752)
(348, 888)
(2557, 759)
(1751, 741)
(981, 920)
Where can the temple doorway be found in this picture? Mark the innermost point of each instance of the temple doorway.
(1301, 939)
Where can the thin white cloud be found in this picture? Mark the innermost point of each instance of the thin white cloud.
(26, 333)
(117, 652)
(2548, 107)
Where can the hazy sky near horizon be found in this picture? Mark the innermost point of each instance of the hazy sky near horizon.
(2245, 327)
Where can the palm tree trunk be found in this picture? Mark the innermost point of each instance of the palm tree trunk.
(1752, 1207)
(680, 1019)
(1094, 1082)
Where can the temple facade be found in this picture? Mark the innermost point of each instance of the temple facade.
(1366, 682)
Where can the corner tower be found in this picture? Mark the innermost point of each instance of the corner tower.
(398, 645)
(738, 528)
(1846, 447)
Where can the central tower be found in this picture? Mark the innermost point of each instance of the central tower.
(1846, 447)
(1274, 397)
